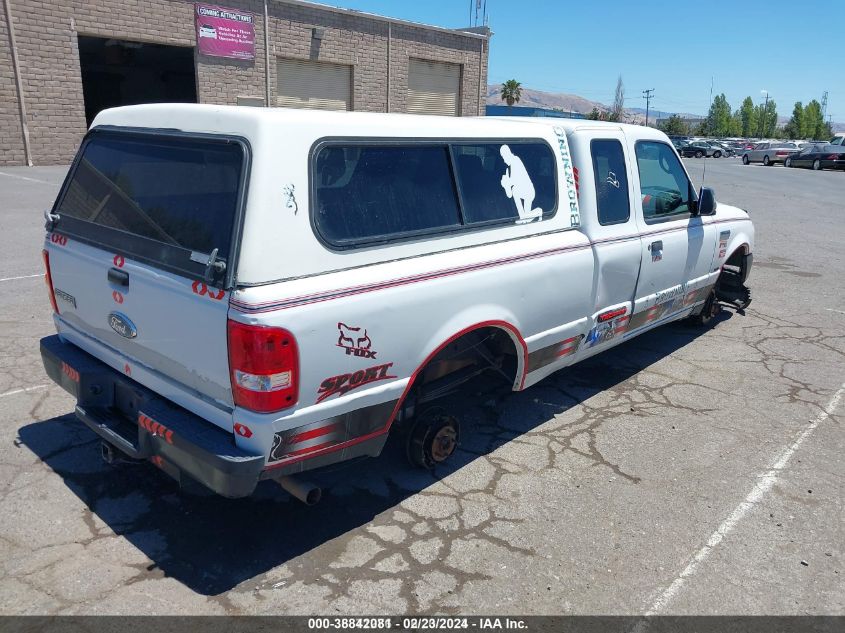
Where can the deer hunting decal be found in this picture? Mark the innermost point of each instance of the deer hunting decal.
(355, 343)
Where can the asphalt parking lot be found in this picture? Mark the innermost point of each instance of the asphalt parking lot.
(686, 472)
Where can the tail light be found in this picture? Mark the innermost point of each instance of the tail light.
(832, 157)
(782, 153)
(264, 366)
(49, 279)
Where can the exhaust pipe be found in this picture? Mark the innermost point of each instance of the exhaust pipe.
(307, 493)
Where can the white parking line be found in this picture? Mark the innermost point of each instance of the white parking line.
(23, 277)
(24, 390)
(43, 182)
(832, 310)
(765, 482)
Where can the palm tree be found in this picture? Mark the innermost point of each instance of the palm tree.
(511, 91)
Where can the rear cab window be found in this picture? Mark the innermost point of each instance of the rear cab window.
(170, 200)
(611, 178)
(368, 192)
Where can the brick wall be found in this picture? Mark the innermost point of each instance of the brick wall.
(47, 31)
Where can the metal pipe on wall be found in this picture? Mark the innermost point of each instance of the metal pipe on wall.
(266, 56)
(389, 35)
(18, 83)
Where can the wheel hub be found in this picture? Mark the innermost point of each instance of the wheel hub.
(443, 444)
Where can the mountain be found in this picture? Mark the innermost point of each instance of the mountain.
(576, 103)
(568, 103)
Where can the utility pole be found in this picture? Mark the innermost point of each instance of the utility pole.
(647, 95)
(763, 116)
(824, 105)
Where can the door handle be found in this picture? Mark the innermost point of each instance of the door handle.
(119, 277)
(656, 246)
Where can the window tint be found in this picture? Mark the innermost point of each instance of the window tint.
(367, 193)
(514, 181)
(179, 191)
(664, 186)
(611, 181)
(363, 193)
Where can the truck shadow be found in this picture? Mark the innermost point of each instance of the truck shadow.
(211, 544)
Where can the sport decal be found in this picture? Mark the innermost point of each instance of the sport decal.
(344, 383)
(517, 185)
(355, 343)
(568, 175)
(61, 240)
(119, 261)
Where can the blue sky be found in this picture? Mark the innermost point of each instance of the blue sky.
(675, 47)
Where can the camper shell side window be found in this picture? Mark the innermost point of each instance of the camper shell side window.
(374, 191)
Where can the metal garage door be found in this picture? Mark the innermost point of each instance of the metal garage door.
(433, 87)
(306, 84)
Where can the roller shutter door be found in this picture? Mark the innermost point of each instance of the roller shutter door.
(433, 87)
(319, 85)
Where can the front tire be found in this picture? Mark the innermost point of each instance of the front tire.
(717, 154)
(817, 164)
(787, 162)
(699, 154)
(745, 159)
(766, 161)
(709, 311)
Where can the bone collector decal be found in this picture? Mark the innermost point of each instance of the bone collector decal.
(344, 383)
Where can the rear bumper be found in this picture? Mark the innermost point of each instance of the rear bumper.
(143, 425)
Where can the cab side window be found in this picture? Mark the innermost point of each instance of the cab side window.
(611, 181)
(665, 189)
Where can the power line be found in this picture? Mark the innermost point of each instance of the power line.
(647, 95)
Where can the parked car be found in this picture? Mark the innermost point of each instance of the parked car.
(839, 139)
(245, 294)
(818, 157)
(722, 149)
(679, 144)
(769, 153)
(700, 149)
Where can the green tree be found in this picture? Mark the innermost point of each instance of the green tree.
(767, 118)
(749, 118)
(736, 123)
(813, 126)
(618, 108)
(511, 91)
(795, 127)
(719, 117)
(675, 125)
(595, 115)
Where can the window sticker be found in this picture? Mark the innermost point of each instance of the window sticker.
(517, 185)
(569, 177)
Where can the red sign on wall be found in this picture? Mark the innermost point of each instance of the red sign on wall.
(225, 32)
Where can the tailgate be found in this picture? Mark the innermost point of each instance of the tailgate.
(140, 253)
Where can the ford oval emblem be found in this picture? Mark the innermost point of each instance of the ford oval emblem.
(121, 324)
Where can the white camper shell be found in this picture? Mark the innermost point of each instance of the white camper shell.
(244, 293)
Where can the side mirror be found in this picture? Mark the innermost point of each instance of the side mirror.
(706, 202)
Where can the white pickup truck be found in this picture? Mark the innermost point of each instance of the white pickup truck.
(244, 294)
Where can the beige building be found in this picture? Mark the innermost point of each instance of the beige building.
(64, 60)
